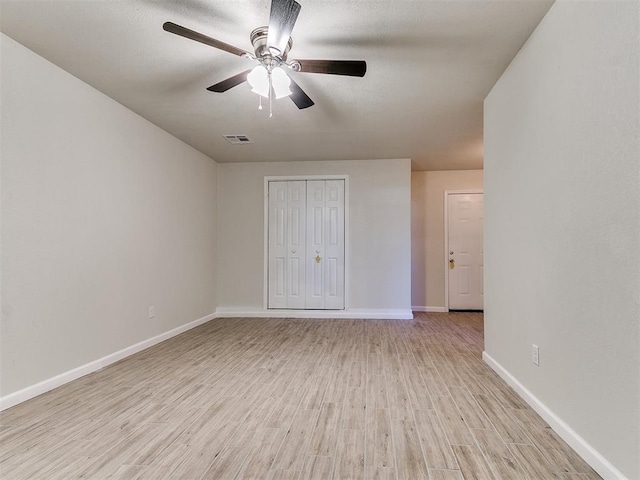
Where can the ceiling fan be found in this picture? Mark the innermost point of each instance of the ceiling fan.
(271, 46)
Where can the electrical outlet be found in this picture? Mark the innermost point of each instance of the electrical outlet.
(152, 311)
(535, 355)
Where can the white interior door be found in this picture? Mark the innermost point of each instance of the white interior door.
(466, 251)
(287, 231)
(306, 244)
(325, 244)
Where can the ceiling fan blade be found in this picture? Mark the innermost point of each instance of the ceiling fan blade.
(199, 37)
(353, 68)
(298, 96)
(281, 21)
(230, 82)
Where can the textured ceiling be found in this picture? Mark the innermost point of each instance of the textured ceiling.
(430, 65)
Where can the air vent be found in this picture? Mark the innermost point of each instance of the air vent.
(238, 139)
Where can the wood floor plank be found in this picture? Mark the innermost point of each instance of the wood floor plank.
(376, 392)
(197, 460)
(471, 380)
(167, 464)
(140, 447)
(354, 409)
(434, 382)
(417, 391)
(314, 395)
(472, 463)
(227, 464)
(380, 440)
(435, 445)
(560, 455)
(534, 464)
(380, 473)
(505, 394)
(496, 453)
(505, 425)
(286, 408)
(350, 455)
(455, 428)
(472, 413)
(266, 398)
(374, 363)
(294, 446)
(337, 388)
(317, 468)
(325, 433)
(282, 475)
(408, 453)
(399, 403)
(445, 475)
(259, 460)
(579, 476)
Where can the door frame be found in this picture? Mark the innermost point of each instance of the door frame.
(465, 191)
(265, 238)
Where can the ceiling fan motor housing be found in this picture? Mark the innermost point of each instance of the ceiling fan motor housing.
(267, 56)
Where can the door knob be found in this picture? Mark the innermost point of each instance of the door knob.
(452, 263)
(317, 258)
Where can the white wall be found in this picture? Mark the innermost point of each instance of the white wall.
(103, 215)
(562, 226)
(380, 231)
(427, 233)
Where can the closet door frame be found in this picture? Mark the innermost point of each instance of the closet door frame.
(265, 282)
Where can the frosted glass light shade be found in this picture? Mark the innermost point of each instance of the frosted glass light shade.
(280, 82)
(258, 78)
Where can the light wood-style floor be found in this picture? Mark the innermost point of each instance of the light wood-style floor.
(291, 399)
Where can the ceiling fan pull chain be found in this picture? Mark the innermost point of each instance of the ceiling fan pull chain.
(270, 95)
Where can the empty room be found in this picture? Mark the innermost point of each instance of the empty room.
(295, 240)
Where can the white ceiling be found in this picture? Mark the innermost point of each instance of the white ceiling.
(430, 65)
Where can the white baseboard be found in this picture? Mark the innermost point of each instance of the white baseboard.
(361, 313)
(590, 455)
(418, 308)
(42, 387)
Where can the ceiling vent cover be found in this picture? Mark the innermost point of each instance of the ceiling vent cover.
(237, 139)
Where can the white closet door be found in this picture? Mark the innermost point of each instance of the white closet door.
(287, 244)
(325, 244)
(334, 245)
(306, 244)
(315, 244)
(296, 216)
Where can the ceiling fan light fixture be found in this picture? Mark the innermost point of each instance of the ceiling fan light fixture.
(280, 82)
(259, 81)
